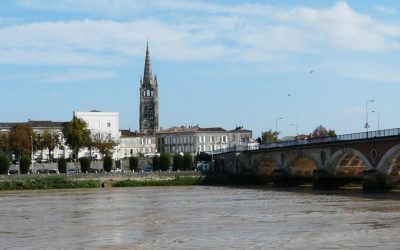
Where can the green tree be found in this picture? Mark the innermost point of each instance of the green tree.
(4, 142)
(178, 162)
(156, 162)
(50, 141)
(164, 161)
(269, 136)
(85, 164)
(24, 165)
(103, 143)
(187, 161)
(21, 137)
(331, 133)
(107, 163)
(62, 165)
(77, 135)
(133, 163)
(4, 164)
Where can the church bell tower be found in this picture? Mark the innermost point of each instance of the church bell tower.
(148, 99)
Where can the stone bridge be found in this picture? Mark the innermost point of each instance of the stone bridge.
(373, 161)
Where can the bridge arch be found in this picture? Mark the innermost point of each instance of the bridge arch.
(264, 165)
(349, 162)
(390, 163)
(303, 166)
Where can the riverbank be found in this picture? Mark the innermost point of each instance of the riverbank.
(21, 182)
(47, 182)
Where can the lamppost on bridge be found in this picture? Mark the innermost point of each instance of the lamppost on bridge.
(297, 133)
(366, 116)
(376, 112)
(276, 126)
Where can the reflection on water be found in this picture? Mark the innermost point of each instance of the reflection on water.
(198, 217)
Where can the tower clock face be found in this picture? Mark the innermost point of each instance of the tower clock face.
(149, 112)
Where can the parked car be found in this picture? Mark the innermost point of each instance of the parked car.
(116, 170)
(72, 171)
(42, 171)
(147, 169)
(93, 170)
(54, 171)
(13, 171)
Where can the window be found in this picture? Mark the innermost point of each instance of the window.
(108, 124)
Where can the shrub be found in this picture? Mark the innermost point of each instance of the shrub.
(156, 163)
(164, 161)
(118, 163)
(107, 163)
(62, 165)
(187, 161)
(85, 164)
(133, 163)
(4, 164)
(24, 165)
(178, 162)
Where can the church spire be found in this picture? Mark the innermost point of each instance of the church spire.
(147, 75)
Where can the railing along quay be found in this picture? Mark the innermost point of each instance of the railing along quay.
(344, 137)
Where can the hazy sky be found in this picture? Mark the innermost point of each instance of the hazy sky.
(218, 63)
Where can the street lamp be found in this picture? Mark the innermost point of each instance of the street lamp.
(376, 112)
(276, 124)
(297, 133)
(366, 116)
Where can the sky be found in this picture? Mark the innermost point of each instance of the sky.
(218, 63)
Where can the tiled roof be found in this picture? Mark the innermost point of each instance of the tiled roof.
(129, 133)
(34, 124)
(190, 129)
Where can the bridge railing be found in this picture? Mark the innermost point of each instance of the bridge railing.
(344, 137)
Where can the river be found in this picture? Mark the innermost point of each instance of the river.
(198, 217)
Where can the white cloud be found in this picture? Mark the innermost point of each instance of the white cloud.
(385, 10)
(196, 31)
(79, 76)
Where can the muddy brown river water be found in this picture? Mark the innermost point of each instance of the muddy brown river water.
(198, 218)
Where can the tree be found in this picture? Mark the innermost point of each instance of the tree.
(177, 162)
(164, 161)
(103, 143)
(50, 141)
(4, 142)
(38, 144)
(62, 165)
(107, 163)
(269, 136)
(4, 164)
(85, 164)
(156, 163)
(24, 165)
(331, 133)
(21, 137)
(77, 135)
(187, 161)
(133, 163)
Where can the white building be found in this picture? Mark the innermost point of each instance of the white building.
(194, 139)
(135, 144)
(101, 125)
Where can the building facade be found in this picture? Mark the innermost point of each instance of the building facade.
(103, 126)
(136, 144)
(39, 128)
(148, 110)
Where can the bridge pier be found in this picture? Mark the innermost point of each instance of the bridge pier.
(281, 177)
(323, 179)
(374, 180)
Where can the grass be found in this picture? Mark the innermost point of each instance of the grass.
(217, 180)
(48, 182)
